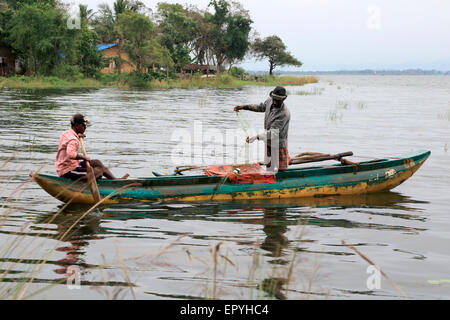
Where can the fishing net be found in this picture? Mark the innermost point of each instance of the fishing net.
(249, 173)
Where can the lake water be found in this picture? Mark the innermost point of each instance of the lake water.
(290, 249)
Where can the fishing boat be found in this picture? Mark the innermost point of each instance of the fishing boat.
(320, 181)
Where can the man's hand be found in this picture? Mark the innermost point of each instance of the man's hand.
(82, 157)
(81, 135)
(237, 108)
(252, 139)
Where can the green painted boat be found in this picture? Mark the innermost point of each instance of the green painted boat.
(319, 181)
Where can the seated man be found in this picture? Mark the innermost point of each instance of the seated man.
(68, 164)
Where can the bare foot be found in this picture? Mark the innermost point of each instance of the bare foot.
(125, 176)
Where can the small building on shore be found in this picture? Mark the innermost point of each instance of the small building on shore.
(111, 54)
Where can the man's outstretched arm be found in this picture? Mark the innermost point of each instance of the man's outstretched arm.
(252, 107)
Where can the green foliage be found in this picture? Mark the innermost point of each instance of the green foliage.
(273, 49)
(177, 31)
(56, 81)
(108, 77)
(181, 56)
(230, 35)
(138, 80)
(201, 46)
(36, 31)
(88, 57)
(156, 75)
(106, 18)
(86, 15)
(39, 32)
(237, 72)
(160, 56)
(20, 78)
(135, 30)
(224, 79)
(5, 16)
(17, 4)
(67, 72)
(134, 79)
(103, 24)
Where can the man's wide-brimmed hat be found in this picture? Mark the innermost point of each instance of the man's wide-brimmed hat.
(279, 93)
(79, 118)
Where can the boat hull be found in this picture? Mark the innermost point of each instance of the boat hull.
(368, 177)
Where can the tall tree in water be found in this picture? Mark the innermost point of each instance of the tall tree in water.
(275, 51)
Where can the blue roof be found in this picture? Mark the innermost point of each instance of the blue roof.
(101, 47)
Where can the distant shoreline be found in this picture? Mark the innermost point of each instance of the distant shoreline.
(409, 72)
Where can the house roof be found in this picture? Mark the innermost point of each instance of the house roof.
(101, 47)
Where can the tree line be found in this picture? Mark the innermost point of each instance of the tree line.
(174, 36)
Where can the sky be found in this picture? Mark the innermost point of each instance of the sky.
(328, 35)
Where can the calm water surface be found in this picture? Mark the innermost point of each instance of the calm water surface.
(236, 250)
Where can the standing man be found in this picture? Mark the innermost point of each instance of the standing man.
(68, 164)
(276, 125)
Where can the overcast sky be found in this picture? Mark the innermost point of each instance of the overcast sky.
(348, 34)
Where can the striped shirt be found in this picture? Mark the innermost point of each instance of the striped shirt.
(69, 144)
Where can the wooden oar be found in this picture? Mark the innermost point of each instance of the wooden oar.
(181, 169)
(338, 156)
(91, 176)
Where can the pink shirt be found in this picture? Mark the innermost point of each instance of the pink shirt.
(69, 144)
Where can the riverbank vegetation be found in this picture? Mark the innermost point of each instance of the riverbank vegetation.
(128, 81)
(176, 45)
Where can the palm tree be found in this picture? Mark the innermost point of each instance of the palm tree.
(105, 23)
(86, 15)
(119, 7)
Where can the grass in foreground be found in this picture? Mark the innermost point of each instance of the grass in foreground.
(263, 282)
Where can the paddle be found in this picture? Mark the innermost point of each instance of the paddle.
(316, 157)
(91, 176)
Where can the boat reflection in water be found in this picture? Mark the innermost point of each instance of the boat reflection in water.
(274, 216)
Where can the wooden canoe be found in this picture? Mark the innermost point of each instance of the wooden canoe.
(329, 180)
